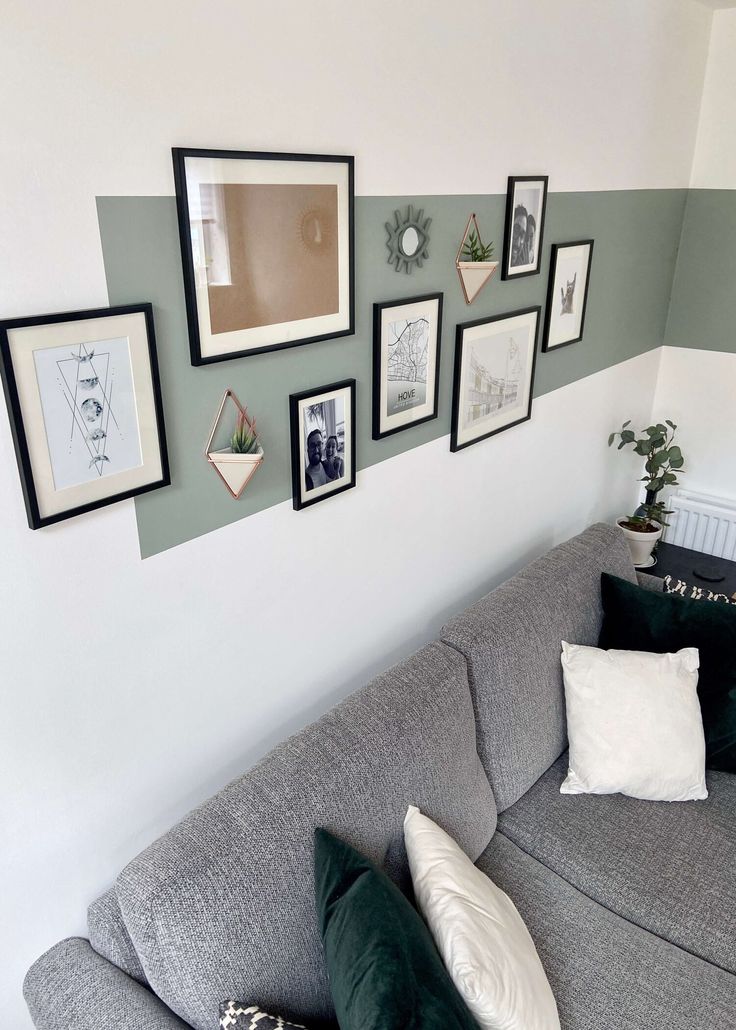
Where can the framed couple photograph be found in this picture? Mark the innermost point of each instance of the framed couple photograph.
(84, 400)
(495, 360)
(322, 442)
(526, 203)
(267, 249)
(406, 363)
(567, 293)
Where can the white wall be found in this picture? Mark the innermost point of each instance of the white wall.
(714, 164)
(131, 690)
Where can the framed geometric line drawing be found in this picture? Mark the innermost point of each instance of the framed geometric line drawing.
(84, 401)
(495, 361)
(267, 248)
(567, 293)
(406, 363)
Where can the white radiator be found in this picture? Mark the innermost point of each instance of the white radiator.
(702, 523)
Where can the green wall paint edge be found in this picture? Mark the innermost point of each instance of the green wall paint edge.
(637, 234)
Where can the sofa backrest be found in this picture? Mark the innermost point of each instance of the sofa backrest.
(511, 642)
(222, 906)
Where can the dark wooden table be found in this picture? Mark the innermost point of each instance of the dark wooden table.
(696, 568)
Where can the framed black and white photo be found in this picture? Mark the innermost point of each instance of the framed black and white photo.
(495, 360)
(526, 202)
(322, 442)
(567, 294)
(406, 362)
(267, 249)
(84, 400)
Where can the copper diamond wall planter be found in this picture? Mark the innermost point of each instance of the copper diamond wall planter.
(473, 275)
(234, 469)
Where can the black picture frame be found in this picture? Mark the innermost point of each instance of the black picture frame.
(455, 443)
(557, 248)
(17, 424)
(514, 181)
(300, 498)
(378, 400)
(179, 157)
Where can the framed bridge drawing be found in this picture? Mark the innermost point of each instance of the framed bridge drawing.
(406, 363)
(267, 249)
(84, 400)
(567, 293)
(495, 360)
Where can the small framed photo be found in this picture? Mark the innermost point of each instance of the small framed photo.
(322, 442)
(567, 294)
(495, 360)
(267, 249)
(526, 202)
(84, 401)
(406, 363)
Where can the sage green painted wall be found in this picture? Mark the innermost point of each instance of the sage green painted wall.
(703, 306)
(636, 236)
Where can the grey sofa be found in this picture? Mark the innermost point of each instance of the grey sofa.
(632, 905)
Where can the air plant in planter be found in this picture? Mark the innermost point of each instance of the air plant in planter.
(238, 462)
(473, 261)
(663, 460)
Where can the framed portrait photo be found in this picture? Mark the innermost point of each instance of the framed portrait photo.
(406, 356)
(495, 360)
(526, 202)
(84, 400)
(322, 442)
(267, 249)
(567, 293)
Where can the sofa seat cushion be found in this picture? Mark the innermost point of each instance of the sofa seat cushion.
(607, 973)
(222, 906)
(669, 867)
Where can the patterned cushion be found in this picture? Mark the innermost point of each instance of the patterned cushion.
(236, 1015)
(685, 589)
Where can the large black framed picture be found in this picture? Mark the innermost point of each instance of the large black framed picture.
(526, 204)
(267, 249)
(406, 363)
(323, 459)
(495, 360)
(567, 293)
(84, 400)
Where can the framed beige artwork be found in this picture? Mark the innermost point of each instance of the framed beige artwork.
(267, 249)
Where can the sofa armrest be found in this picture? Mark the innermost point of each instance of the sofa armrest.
(653, 583)
(71, 987)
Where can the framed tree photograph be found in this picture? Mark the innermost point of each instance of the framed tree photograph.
(267, 249)
(567, 293)
(84, 400)
(526, 202)
(406, 356)
(322, 442)
(495, 360)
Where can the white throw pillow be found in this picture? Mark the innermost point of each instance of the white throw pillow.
(481, 937)
(634, 724)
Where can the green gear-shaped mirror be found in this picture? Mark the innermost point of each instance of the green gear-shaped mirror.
(408, 239)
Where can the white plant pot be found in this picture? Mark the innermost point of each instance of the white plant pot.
(474, 275)
(235, 470)
(641, 545)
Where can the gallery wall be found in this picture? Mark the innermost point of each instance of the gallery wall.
(133, 689)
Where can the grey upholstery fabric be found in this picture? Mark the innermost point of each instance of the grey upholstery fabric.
(109, 937)
(71, 987)
(222, 906)
(605, 973)
(653, 583)
(511, 640)
(669, 867)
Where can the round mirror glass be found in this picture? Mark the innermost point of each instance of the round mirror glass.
(410, 241)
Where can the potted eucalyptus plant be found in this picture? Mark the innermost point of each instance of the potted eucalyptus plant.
(663, 460)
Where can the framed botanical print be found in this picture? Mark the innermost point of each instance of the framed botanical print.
(406, 363)
(526, 202)
(84, 401)
(323, 459)
(495, 360)
(267, 249)
(567, 293)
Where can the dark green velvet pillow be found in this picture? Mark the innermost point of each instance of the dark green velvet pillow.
(385, 971)
(635, 619)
